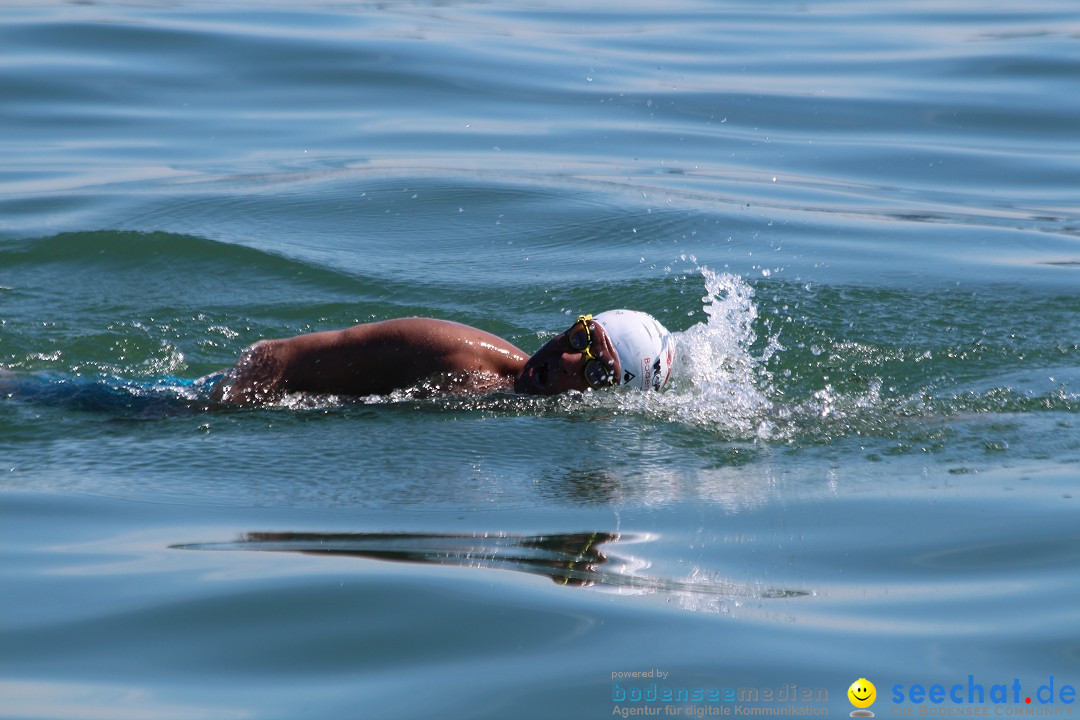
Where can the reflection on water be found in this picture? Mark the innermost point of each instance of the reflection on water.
(567, 558)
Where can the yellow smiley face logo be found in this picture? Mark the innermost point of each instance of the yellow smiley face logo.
(862, 693)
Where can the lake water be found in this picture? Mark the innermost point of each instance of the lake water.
(861, 218)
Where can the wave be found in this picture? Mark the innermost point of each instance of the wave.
(149, 253)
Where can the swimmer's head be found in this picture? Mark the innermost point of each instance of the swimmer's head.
(624, 346)
(646, 349)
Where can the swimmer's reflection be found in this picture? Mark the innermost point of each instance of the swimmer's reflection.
(573, 559)
(567, 558)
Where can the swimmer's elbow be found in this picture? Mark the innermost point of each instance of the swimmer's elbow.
(256, 377)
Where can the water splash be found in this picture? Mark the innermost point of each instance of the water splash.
(721, 379)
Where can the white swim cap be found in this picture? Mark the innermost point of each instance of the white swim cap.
(646, 349)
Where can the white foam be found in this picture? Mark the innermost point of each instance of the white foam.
(720, 380)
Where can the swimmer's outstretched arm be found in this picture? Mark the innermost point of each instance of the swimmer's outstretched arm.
(370, 359)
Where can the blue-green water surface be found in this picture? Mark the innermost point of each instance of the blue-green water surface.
(860, 218)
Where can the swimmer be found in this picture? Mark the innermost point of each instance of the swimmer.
(615, 348)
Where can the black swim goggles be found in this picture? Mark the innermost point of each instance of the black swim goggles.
(598, 373)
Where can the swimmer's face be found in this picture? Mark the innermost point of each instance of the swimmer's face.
(557, 367)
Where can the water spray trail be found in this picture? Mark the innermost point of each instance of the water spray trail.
(720, 382)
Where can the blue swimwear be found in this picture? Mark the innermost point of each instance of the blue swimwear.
(189, 388)
(166, 395)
